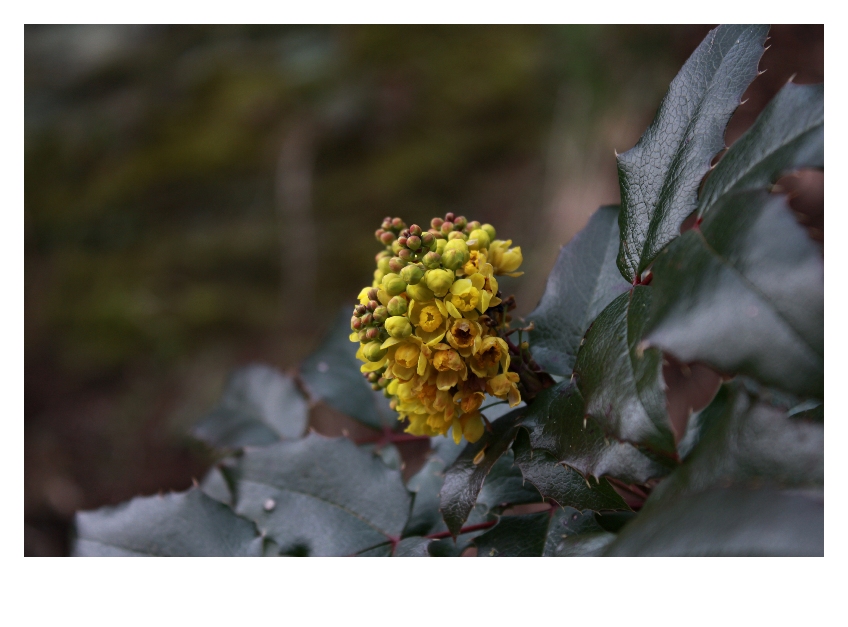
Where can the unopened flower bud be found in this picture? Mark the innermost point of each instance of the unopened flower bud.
(373, 351)
(436, 223)
(355, 324)
(380, 314)
(440, 245)
(415, 230)
(447, 227)
(387, 224)
(431, 260)
(449, 217)
(402, 240)
(396, 264)
(373, 377)
(393, 284)
(460, 222)
(395, 247)
(490, 230)
(414, 242)
(373, 333)
(457, 235)
(471, 226)
(359, 310)
(398, 223)
(366, 319)
(398, 327)
(480, 239)
(387, 237)
(362, 335)
(420, 292)
(372, 304)
(454, 259)
(372, 293)
(412, 274)
(439, 281)
(405, 254)
(428, 240)
(398, 306)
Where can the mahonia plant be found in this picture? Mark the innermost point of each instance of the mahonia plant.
(433, 329)
(700, 266)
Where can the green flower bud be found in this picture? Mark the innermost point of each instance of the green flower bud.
(372, 334)
(439, 281)
(355, 324)
(436, 223)
(460, 222)
(457, 235)
(398, 305)
(380, 314)
(383, 265)
(372, 351)
(398, 327)
(481, 239)
(412, 274)
(387, 237)
(471, 226)
(362, 337)
(428, 240)
(490, 231)
(440, 245)
(372, 377)
(454, 259)
(395, 247)
(457, 244)
(447, 228)
(393, 284)
(414, 242)
(420, 292)
(396, 264)
(431, 260)
(405, 254)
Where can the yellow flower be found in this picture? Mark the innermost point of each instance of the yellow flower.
(476, 260)
(430, 320)
(504, 386)
(464, 296)
(505, 260)
(493, 352)
(451, 368)
(472, 426)
(465, 336)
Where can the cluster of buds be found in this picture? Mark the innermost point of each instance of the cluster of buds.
(432, 327)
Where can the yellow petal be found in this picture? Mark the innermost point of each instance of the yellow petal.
(448, 305)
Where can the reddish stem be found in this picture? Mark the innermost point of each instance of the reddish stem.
(469, 529)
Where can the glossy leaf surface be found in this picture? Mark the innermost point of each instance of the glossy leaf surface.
(557, 424)
(260, 405)
(541, 534)
(560, 483)
(788, 135)
(583, 281)
(320, 496)
(744, 294)
(660, 176)
(177, 524)
(731, 521)
(621, 381)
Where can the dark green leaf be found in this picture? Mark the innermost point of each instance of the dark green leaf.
(788, 135)
(583, 281)
(557, 424)
(260, 405)
(585, 545)
(744, 294)
(732, 521)
(745, 441)
(534, 535)
(426, 485)
(331, 374)
(559, 482)
(413, 547)
(464, 479)
(215, 485)
(320, 496)
(620, 380)
(382, 550)
(178, 524)
(660, 176)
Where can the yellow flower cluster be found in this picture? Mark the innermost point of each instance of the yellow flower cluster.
(428, 326)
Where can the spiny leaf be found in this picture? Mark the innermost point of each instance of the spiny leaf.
(583, 281)
(320, 496)
(177, 524)
(464, 479)
(620, 380)
(426, 485)
(541, 534)
(788, 135)
(730, 521)
(557, 424)
(744, 440)
(560, 483)
(745, 293)
(260, 405)
(331, 374)
(660, 176)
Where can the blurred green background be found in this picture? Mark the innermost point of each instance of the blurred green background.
(197, 198)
